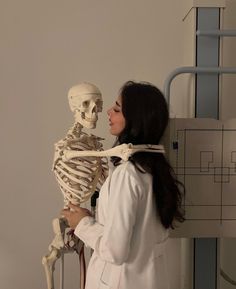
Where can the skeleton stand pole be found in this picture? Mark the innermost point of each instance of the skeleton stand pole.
(62, 271)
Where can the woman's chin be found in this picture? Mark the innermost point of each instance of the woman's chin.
(112, 132)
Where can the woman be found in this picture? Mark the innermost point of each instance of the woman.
(139, 201)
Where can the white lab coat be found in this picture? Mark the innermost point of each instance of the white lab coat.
(127, 238)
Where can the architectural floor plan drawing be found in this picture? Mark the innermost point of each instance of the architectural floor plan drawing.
(203, 154)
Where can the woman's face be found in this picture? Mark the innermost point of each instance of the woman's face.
(116, 118)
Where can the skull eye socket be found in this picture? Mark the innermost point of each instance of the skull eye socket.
(85, 103)
(99, 104)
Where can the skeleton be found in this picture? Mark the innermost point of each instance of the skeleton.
(80, 169)
(78, 178)
(123, 151)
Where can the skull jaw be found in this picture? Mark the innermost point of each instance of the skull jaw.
(84, 121)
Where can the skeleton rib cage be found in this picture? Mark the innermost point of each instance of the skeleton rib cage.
(79, 177)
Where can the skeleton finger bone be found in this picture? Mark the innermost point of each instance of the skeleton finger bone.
(124, 151)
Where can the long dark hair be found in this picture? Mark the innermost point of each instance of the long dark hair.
(146, 117)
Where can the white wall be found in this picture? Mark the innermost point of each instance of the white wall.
(46, 47)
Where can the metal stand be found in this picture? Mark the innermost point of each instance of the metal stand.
(207, 70)
(62, 271)
(206, 262)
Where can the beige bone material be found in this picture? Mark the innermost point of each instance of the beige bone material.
(124, 151)
(59, 245)
(55, 250)
(85, 101)
(79, 178)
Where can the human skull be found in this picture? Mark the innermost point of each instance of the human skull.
(85, 101)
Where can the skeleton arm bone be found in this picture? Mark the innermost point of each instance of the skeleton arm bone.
(124, 151)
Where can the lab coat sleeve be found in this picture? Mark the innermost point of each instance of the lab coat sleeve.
(111, 242)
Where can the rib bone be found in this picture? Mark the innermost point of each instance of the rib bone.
(80, 177)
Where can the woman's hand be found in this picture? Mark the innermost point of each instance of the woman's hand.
(75, 214)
